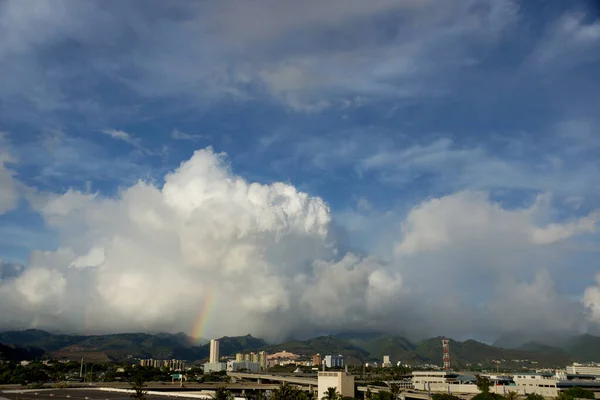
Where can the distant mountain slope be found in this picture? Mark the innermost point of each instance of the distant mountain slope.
(397, 347)
(228, 346)
(584, 348)
(324, 345)
(18, 353)
(580, 348)
(39, 338)
(356, 347)
(472, 351)
(123, 345)
(537, 347)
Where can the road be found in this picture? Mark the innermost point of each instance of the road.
(75, 394)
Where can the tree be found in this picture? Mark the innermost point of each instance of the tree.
(222, 394)
(382, 395)
(579, 393)
(511, 395)
(395, 390)
(331, 394)
(563, 396)
(534, 396)
(190, 374)
(444, 396)
(137, 385)
(302, 395)
(284, 392)
(483, 384)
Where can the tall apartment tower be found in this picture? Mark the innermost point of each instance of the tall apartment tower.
(263, 360)
(446, 356)
(214, 351)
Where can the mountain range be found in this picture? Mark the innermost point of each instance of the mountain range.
(356, 348)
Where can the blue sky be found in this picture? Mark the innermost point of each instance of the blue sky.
(378, 108)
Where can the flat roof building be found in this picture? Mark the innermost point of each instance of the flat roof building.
(583, 369)
(215, 367)
(545, 384)
(343, 382)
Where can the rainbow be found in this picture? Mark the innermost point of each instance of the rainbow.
(208, 307)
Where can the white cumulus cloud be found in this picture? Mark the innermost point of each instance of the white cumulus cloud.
(266, 259)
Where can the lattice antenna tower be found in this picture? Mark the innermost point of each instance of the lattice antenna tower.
(446, 356)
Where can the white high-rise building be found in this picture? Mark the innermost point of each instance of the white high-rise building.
(334, 361)
(386, 362)
(214, 351)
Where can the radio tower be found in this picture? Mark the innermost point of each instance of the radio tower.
(446, 357)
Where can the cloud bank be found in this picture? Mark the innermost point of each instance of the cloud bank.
(9, 189)
(267, 258)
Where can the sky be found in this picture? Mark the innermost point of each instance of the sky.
(287, 169)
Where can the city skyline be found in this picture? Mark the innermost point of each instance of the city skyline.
(290, 169)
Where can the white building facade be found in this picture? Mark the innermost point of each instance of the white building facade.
(214, 351)
(583, 369)
(387, 363)
(343, 382)
(215, 367)
(234, 366)
(545, 384)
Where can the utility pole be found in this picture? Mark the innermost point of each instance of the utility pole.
(81, 369)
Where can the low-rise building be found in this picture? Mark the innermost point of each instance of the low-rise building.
(283, 354)
(171, 365)
(583, 369)
(343, 382)
(215, 367)
(234, 366)
(545, 384)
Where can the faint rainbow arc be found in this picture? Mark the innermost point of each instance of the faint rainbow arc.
(204, 317)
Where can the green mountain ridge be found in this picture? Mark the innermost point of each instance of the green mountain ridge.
(18, 353)
(355, 347)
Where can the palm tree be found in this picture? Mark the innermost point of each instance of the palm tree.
(137, 385)
(511, 395)
(284, 392)
(302, 395)
(222, 394)
(331, 394)
(395, 390)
